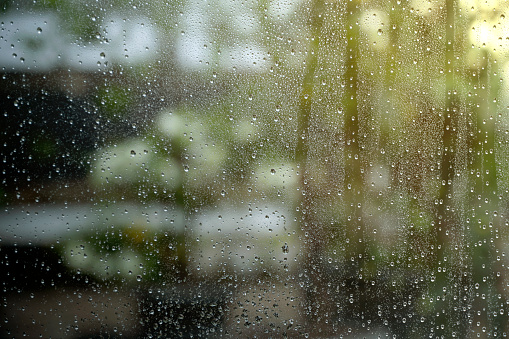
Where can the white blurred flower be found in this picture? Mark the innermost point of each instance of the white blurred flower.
(246, 131)
(170, 124)
(82, 256)
(167, 173)
(204, 164)
(129, 264)
(249, 56)
(121, 164)
(203, 158)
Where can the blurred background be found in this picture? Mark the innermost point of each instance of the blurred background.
(265, 168)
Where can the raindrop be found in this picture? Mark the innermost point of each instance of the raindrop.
(285, 248)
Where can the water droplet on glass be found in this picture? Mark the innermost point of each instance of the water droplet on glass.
(285, 248)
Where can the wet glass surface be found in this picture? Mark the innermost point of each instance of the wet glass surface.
(254, 169)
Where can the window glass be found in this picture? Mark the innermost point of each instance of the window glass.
(281, 168)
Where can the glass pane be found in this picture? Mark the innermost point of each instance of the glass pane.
(276, 168)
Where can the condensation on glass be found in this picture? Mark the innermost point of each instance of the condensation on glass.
(266, 169)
